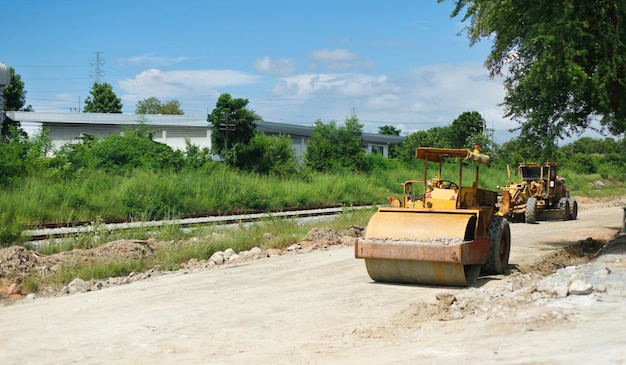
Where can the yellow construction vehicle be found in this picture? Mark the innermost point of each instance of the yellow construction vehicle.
(539, 195)
(448, 235)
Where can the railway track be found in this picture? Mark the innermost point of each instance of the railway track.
(49, 231)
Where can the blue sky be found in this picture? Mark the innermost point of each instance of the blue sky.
(395, 62)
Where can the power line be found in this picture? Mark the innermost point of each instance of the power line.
(48, 66)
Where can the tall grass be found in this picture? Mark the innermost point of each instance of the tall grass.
(92, 195)
(147, 194)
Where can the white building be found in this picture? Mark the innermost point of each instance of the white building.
(169, 129)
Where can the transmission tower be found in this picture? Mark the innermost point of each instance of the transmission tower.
(96, 63)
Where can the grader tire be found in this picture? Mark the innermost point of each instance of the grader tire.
(500, 235)
(531, 211)
(573, 210)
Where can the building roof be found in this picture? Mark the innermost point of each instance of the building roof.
(109, 118)
(173, 120)
(300, 130)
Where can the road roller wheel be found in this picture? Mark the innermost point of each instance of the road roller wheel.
(422, 272)
(472, 272)
(500, 234)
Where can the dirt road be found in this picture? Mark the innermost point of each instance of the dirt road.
(322, 308)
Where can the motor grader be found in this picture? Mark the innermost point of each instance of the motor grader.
(539, 195)
(447, 235)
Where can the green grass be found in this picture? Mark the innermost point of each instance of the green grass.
(184, 244)
(100, 270)
(94, 196)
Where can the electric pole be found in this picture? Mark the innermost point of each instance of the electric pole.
(227, 126)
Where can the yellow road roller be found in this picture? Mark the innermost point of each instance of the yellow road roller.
(450, 234)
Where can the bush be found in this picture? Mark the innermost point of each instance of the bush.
(10, 229)
(267, 155)
(336, 149)
(134, 149)
(582, 163)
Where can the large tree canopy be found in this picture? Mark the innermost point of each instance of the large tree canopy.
(153, 105)
(462, 133)
(102, 100)
(336, 148)
(389, 130)
(232, 123)
(564, 61)
(14, 99)
(14, 93)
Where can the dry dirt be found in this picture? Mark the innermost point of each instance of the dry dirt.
(563, 300)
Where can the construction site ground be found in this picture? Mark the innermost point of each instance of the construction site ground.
(561, 301)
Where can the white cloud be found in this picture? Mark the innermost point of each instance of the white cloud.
(281, 67)
(419, 99)
(186, 86)
(150, 60)
(327, 56)
(341, 85)
(337, 60)
(440, 93)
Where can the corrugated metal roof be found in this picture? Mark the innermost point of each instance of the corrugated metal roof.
(109, 118)
(177, 120)
(307, 131)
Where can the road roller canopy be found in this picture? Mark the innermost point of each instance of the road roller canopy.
(445, 239)
(432, 154)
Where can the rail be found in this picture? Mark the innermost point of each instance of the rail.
(60, 230)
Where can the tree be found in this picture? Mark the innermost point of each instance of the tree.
(14, 99)
(519, 150)
(350, 144)
(267, 155)
(333, 148)
(153, 105)
(320, 152)
(232, 123)
(389, 130)
(21, 155)
(172, 107)
(564, 62)
(464, 128)
(102, 100)
(431, 138)
(13, 152)
(14, 93)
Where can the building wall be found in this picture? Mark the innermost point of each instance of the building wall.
(173, 136)
(169, 129)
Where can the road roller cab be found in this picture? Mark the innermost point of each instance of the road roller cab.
(447, 235)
